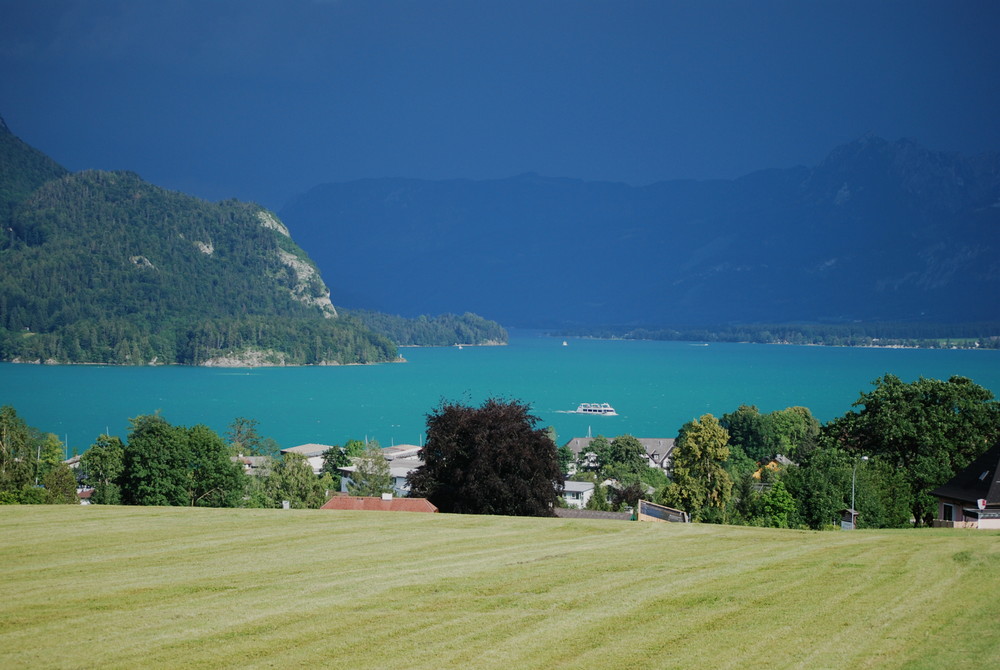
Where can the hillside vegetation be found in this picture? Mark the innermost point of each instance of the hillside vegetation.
(104, 267)
(159, 587)
(441, 330)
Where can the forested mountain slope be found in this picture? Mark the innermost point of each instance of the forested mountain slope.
(879, 231)
(104, 267)
(22, 170)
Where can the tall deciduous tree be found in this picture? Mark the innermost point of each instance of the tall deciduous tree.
(747, 431)
(701, 485)
(336, 458)
(371, 475)
(777, 506)
(791, 431)
(102, 466)
(60, 486)
(821, 486)
(488, 460)
(929, 429)
(155, 462)
(174, 465)
(244, 438)
(50, 452)
(292, 479)
(566, 458)
(17, 453)
(600, 447)
(628, 455)
(216, 481)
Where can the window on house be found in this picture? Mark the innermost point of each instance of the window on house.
(947, 512)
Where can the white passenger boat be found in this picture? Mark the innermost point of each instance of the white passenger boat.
(604, 409)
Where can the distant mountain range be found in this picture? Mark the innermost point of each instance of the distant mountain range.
(103, 267)
(879, 231)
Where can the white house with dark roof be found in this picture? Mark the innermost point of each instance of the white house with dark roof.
(971, 499)
(577, 494)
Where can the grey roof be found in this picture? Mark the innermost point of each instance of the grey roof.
(308, 450)
(400, 451)
(252, 461)
(658, 449)
(402, 467)
(980, 480)
(578, 487)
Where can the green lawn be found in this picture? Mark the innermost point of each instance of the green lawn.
(165, 587)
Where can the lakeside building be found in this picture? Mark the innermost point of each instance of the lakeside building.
(971, 499)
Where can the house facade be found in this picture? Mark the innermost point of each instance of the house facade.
(577, 494)
(971, 499)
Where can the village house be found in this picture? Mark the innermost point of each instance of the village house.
(658, 451)
(773, 465)
(972, 498)
(252, 465)
(400, 468)
(578, 494)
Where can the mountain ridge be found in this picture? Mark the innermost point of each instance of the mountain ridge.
(878, 230)
(103, 267)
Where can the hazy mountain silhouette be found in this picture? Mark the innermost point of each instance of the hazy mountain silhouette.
(878, 231)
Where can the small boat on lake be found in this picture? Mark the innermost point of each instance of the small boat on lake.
(602, 409)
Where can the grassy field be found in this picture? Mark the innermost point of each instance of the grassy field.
(164, 587)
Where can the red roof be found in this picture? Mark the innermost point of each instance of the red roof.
(380, 505)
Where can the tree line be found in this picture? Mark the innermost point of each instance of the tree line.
(785, 469)
(495, 459)
(433, 331)
(985, 335)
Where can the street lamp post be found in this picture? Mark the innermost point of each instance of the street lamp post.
(854, 480)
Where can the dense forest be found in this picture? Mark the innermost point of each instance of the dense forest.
(443, 330)
(103, 267)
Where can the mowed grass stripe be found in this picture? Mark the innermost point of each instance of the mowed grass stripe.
(161, 587)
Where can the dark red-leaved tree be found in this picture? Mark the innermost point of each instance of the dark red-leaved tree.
(488, 460)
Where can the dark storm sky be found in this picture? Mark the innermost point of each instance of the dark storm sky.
(261, 100)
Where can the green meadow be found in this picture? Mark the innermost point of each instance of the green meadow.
(113, 587)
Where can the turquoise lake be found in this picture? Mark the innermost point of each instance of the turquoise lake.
(655, 386)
